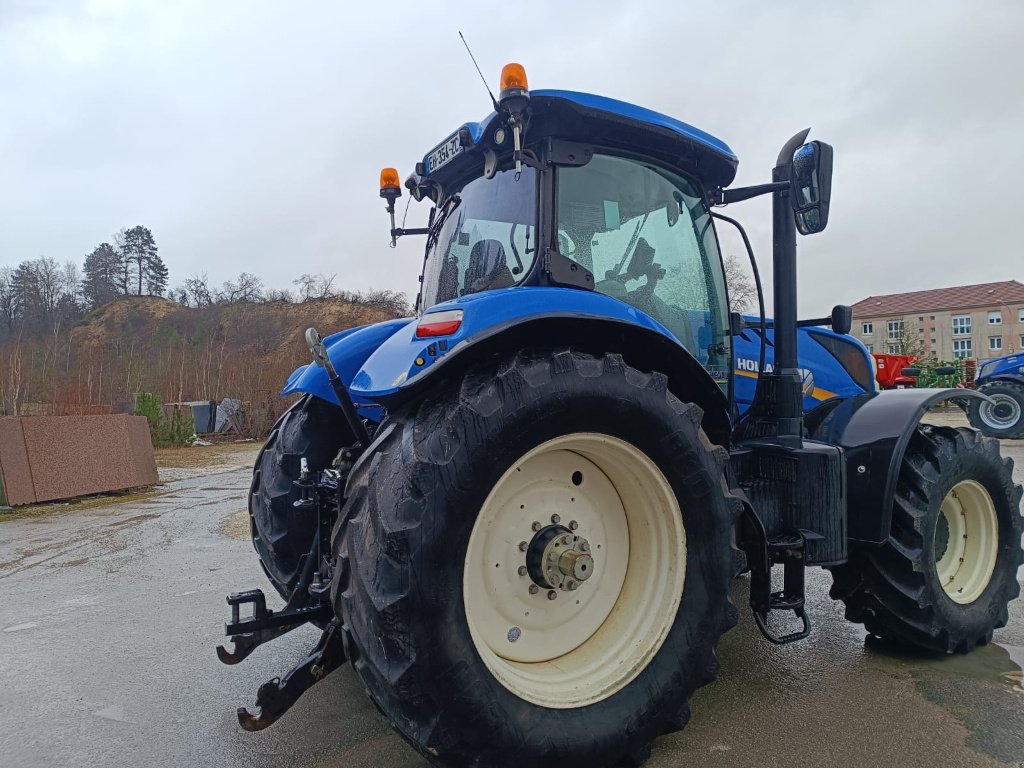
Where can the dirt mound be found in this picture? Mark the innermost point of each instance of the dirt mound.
(260, 327)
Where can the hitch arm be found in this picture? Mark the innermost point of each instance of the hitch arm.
(264, 625)
(277, 696)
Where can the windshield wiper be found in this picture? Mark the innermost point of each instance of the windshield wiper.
(435, 228)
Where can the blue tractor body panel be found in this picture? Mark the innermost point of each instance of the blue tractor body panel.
(825, 375)
(395, 364)
(1008, 368)
(377, 361)
(348, 351)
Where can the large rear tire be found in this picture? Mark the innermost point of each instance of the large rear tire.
(316, 430)
(944, 578)
(453, 607)
(1003, 415)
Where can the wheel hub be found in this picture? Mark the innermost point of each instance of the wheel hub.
(559, 558)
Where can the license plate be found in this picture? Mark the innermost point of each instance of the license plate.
(444, 154)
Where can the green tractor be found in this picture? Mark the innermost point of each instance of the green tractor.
(519, 513)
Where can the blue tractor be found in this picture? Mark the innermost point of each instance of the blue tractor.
(518, 513)
(1002, 381)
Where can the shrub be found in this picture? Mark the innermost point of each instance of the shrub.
(177, 431)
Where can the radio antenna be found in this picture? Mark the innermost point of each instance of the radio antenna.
(473, 59)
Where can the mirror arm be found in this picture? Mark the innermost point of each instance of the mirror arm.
(726, 196)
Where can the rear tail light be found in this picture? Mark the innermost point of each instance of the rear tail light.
(439, 324)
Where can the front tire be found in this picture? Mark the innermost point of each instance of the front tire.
(312, 429)
(445, 621)
(944, 577)
(1003, 415)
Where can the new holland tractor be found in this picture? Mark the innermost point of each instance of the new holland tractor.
(518, 513)
(1002, 382)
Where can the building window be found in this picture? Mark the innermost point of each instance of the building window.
(995, 318)
(871, 347)
(961, 325)
(895, 331)
(894, 349)
(995, 343)
(867, 329)
(1020, 319)
(961, 348)
(1021, 343)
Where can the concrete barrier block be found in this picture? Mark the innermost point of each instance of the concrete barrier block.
(15, 473)
(71, 456)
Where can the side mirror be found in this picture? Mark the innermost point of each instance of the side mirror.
(811, 186)
(842, 318)
(914, 372)
(945, 370)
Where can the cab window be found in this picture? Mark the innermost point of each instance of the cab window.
(645, 233)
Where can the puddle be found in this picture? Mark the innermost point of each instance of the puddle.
(1016, 654)
(984, 690)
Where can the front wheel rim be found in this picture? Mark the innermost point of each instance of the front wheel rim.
(969, 541)
(555, 639)
(1002, 412)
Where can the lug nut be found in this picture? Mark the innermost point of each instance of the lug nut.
(552, 594)
(522, 570)
(534, 589)
(573, 525)
(555, 519)
(523, 546)
(536, 526)
(567, 540)
(571, 585)
(584, 546)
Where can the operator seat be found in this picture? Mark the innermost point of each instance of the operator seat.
(487, 268)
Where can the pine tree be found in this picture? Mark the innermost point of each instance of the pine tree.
(139, 251)
(156, 275)
(124, 277)
(102, 273)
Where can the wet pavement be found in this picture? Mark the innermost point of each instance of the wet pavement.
(109, 616)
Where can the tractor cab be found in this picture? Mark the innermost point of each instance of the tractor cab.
(600, 196)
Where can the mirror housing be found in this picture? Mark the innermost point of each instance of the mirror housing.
(842, 318)
(945, 370)
(913, 372)
(811, 186)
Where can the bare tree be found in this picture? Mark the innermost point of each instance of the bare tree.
(10, 302)
(197, 291)
(742, 290)
(319, 286)
(247, 287)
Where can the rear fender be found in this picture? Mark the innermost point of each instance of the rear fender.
(502, 321)
(874, 431)
(348, 351)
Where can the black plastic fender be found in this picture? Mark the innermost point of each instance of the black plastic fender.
(873, 430)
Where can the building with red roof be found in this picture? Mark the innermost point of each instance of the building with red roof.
(965, 321)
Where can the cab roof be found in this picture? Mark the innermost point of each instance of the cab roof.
(586, 117)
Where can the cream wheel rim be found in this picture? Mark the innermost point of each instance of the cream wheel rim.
(966, 563)
(574, 570)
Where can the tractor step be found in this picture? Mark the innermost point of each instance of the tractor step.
(788, 550)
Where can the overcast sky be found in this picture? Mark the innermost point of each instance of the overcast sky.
(250, 135)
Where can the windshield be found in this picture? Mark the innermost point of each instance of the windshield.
(646, 235)
(484, 238)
